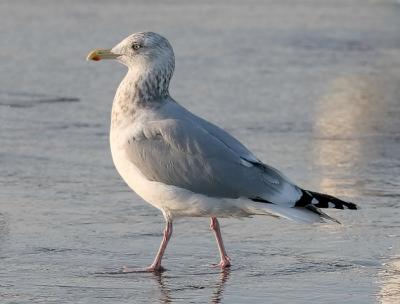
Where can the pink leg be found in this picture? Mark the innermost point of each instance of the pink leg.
(225, 260)
(156, 265)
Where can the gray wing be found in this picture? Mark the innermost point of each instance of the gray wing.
(183, 152)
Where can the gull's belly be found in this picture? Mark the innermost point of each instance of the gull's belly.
(171, 200)
(149, 190)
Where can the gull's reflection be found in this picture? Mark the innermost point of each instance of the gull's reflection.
(165, 291)
(217, 288)
(220, 285)
(390, 289)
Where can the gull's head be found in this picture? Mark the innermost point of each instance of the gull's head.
(143, 51)
(150, 60)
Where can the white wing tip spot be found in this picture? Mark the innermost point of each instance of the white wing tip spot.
(331, 205)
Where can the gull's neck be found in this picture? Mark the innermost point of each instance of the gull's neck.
(140, 88)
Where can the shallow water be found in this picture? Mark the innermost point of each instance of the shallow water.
(312, 88)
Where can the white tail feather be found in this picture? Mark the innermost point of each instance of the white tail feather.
(298, 215)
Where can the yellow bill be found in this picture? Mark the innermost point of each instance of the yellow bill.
(99, 54)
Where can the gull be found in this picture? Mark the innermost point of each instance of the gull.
(184, 165)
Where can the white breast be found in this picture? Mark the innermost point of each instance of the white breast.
(148, 190)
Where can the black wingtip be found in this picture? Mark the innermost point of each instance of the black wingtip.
(351, 206)
(321, 200)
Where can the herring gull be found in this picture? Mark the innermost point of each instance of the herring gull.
(184, 165)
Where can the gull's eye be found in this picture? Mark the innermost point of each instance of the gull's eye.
(136, 46)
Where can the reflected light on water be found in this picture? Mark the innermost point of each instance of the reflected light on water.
(390, 289)
(344, 116)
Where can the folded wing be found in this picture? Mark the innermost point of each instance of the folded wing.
(188, 152)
